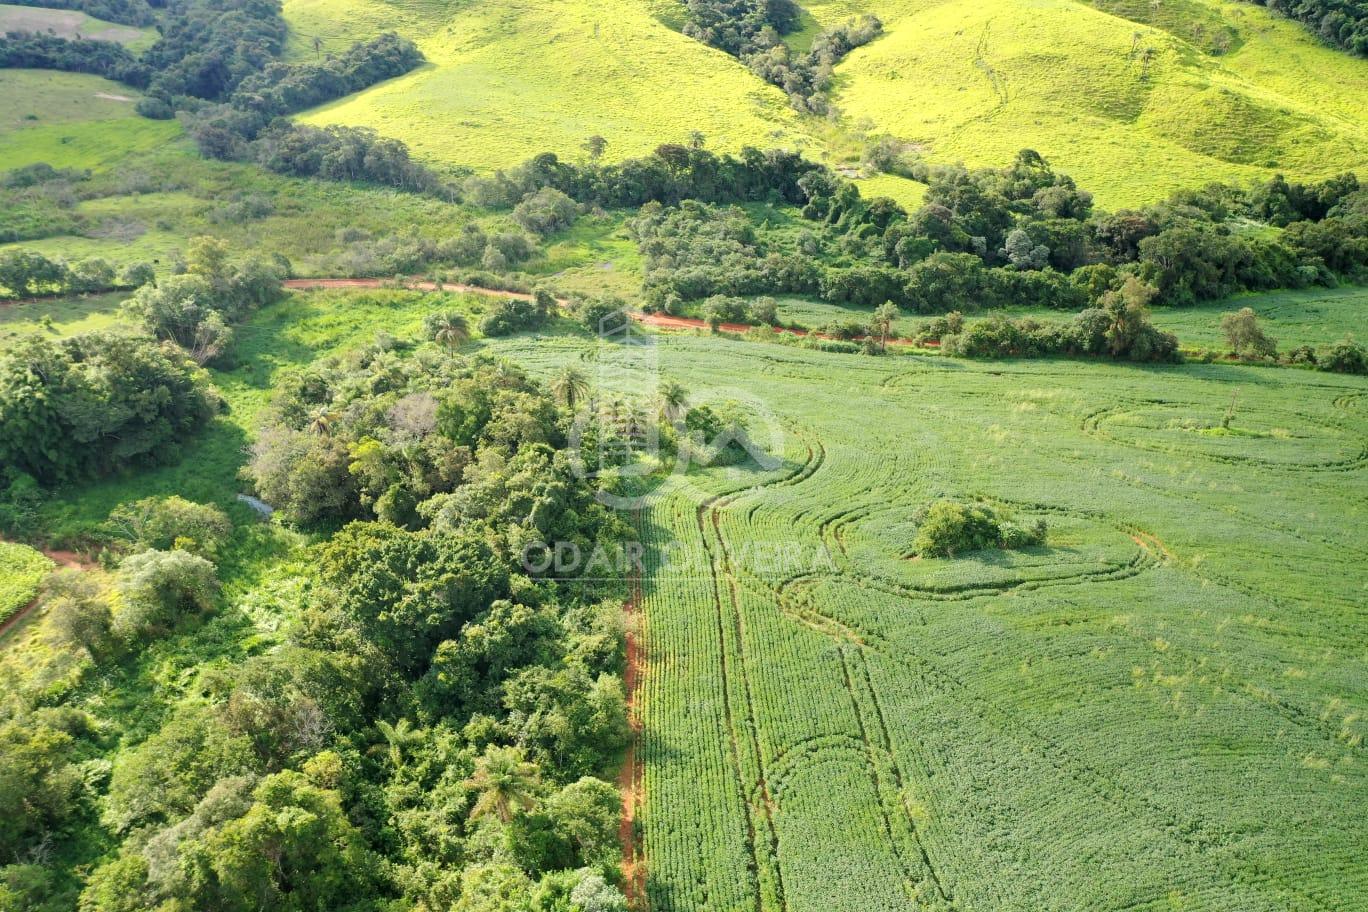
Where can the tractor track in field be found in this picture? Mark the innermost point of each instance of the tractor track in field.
(631, 778)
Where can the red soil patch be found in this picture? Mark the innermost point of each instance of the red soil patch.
(633, 865)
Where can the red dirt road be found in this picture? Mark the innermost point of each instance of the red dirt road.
(658, 320)
(633, 865)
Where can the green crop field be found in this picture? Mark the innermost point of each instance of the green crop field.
(72, 24)
(1161, 708)
(21, 572)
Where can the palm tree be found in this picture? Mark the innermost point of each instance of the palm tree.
(884, 315)
(570, 387)
(505, 781)
(673, 399)
(399, 737)
(321, 422)
(449, 329)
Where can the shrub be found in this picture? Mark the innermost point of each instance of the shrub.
(1343, 357)
(166, 523)
(512, 315)
(92, 404)
(949, 527)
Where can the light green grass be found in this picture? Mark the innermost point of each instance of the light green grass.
(22, 571)
(146, 210)
(73, 24)
(1106, 722)
(35, 98)
(60, 317)
(72, 120)
(508, 80)
(906, 193)
(976, 81)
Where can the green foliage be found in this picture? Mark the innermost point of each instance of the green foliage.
(1245, 336)
(157, 589)
(92, 404)
(163, 523)
(22, 569)
(946, 528)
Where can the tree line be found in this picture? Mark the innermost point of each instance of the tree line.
(753, 30)
(1017, 235)
(1342, 23)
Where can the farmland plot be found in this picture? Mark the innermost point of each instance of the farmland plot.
(1162, 707)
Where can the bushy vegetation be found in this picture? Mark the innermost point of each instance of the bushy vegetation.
(94, 404)
(1118, 328)
(752, 31)
(24, 273)
(512, 315)
(948, 527)
(84, 55)
(1022, 235)
(22, 570)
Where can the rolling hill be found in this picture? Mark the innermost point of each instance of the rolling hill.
(1135, 100)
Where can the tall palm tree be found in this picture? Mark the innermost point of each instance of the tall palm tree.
(570, 387)
(449, 329)
(884, 315)
(399, 737)
(673, 399)
(505, 781)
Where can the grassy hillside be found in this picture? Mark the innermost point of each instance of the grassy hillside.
(72, 24)
(512, 79)
(73, 120)
(976, 81)
(1134, 99)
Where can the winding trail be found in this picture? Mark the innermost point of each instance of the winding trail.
(70, 560)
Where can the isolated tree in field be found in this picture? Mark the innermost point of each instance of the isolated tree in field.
(884, 315)
(1246, 336)
(570, 387)
(763, 311)
(696, 139)
(505, 783)
(1127, 313)
(595, 145)
(448, 329)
